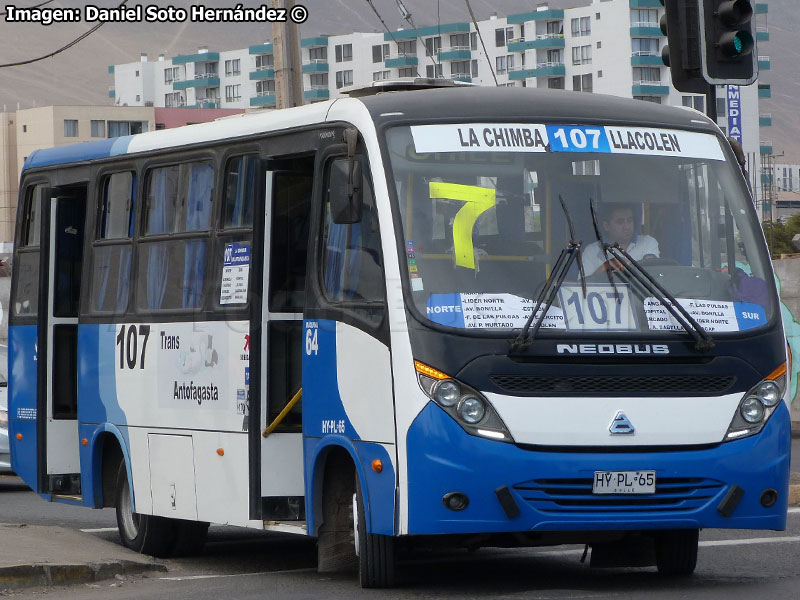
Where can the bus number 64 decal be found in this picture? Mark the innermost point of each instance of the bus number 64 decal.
(128, 342)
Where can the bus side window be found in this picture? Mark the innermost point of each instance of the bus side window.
(112, 257)
(26, 295)
(352, 265)
(172, 271)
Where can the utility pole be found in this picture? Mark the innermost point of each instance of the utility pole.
(286, 55)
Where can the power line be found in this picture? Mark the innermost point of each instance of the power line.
(4, 13)
(480, 37)
(389, 31)
(63, 48)
(407, 16)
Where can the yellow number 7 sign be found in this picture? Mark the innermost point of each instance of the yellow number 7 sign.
(477, 201)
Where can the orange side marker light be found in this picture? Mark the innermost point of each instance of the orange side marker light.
(221, 451)
(377, 465)
(19, 437)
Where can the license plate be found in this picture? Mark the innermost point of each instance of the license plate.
(624, 482)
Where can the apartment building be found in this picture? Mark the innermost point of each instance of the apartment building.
(607, 46)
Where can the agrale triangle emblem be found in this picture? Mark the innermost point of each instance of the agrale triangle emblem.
(621, 425)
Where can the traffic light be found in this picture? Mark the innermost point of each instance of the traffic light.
(728, 42)
(681, 24)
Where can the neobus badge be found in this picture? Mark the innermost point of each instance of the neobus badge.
(612, 348)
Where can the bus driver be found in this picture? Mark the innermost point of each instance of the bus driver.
(618, 225)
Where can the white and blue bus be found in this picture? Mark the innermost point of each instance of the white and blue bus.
(380, 321)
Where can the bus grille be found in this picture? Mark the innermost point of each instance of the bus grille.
(673, 494)
(616, 385)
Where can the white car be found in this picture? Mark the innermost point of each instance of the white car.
(5, 455)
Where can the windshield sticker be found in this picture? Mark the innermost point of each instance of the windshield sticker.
(487, 311)
(235, 274)
(413, 270)
(712, 315)
(598, 139)
(477, 200)
(604, 307)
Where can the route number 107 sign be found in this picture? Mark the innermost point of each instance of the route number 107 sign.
(604, 308)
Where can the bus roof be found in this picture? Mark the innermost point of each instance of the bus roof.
(451, 104)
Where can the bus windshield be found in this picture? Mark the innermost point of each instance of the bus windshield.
(483, 226)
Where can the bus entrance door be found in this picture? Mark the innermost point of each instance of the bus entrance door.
(63, 224)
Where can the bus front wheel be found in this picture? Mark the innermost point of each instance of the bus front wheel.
(676, 552)
(143, 533)
(376, 552)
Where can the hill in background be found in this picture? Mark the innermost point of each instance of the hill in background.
(80, 74)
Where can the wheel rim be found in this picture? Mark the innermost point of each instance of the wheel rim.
(355, 522)
(129, 521)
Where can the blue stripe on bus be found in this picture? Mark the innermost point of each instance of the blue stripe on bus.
(99, 412)
(78, 152)
(443, 458)
(22, 393)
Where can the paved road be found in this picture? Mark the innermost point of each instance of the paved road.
(243, 564)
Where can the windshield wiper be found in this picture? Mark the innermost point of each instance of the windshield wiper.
(703, 341)
(568, 255)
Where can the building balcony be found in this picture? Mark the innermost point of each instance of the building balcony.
(551, 14)
(314, 42)
(649, 88)
(764, 63)
(645, 3)
(398, 62)
(111, 69)
(645, 29)
(455, 53)
(195, 58)
(762, 33)
(263, 99)
(260, 49)
(111, 92)
(316, 65)
(646, 59)
(762, 8)
(545, 69)
(765, 120)
(547, 40)
(200, 80)
(317, 93)
(206, 103)
(765, 147)
(265, 73)
(462, 78)
(764, 90)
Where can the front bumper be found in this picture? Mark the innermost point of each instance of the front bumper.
(553, 488)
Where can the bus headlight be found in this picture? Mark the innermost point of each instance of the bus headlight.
(752, 409)
(471, 409)
(464, 404)
(757, 405)
(446, 392)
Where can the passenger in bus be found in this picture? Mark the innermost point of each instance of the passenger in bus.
(619, 227)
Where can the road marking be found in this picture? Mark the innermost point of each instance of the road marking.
(746, 541)
(99, 530)
(794, 510)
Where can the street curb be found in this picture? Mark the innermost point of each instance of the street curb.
(19, 576)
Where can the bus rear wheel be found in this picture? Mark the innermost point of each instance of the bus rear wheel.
(143, 533)
(676, 552)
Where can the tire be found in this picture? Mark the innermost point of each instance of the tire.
(142, 533)
(676, 552)
(376, 556)
(336, 551)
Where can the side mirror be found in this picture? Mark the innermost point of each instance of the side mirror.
(344, 187)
